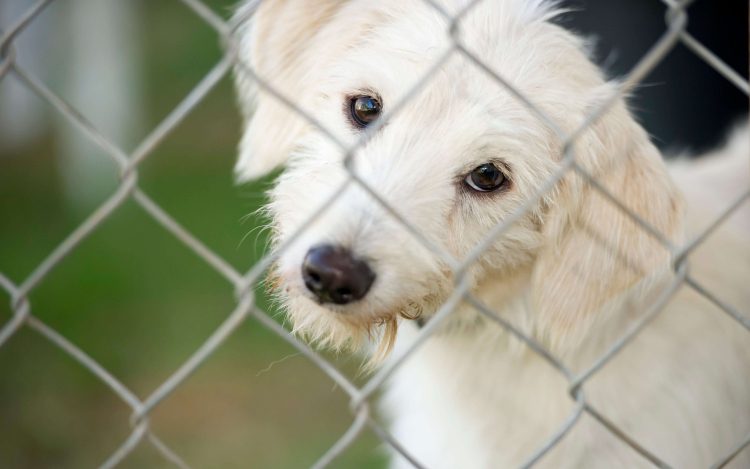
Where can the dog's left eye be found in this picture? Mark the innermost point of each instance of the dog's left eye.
(485, 178)
(363, 110)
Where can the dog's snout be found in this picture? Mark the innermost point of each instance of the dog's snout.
(335, 276)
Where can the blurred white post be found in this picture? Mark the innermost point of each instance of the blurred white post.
(103, 80)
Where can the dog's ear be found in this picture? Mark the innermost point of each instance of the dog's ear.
(282, 42)
(594, 251)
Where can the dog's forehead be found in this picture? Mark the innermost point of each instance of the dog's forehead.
(394, 53)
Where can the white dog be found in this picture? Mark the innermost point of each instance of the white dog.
(573, 273)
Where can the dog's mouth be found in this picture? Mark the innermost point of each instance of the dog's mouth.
(345, 326)
(338, 300)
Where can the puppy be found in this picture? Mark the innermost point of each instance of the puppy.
(574, 272)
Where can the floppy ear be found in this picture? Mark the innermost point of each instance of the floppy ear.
(280, 42)
(594, 251)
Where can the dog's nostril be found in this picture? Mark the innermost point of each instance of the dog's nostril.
(335, 276)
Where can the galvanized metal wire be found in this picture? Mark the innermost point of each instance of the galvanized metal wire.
(128, 163)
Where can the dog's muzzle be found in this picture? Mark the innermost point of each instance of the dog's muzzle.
(335, 276)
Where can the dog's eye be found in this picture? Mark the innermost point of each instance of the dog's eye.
(485, 178)
(363, 110)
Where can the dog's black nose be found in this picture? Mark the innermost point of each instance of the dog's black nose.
(334, 276)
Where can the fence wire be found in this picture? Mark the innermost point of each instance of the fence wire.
(676, 21)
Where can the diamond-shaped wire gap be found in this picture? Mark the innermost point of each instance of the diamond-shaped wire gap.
(73, 352)
(334, 373)
(563, 370)
(540, 350)
(171, 31)
(167, 127)
(577, 393)
(708, 253)
(252, 275)
(96, 259)
(257, 402)
(107, 378)
(136, 434)
(308, 420)
(77, 236)
(193, 97)
(58, 304)
(171, 416)
(244, 68)
(146, 302)
(191, 183)
(576, 381)
(642, 68)
(35, 216)
(656, 307)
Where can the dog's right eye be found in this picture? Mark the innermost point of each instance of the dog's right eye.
(363, 110)
(485, 178)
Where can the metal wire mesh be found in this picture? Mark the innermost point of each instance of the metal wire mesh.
(676, 21)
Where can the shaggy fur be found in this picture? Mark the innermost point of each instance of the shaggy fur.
(574, 272)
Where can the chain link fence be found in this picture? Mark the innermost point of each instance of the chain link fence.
(676, 21)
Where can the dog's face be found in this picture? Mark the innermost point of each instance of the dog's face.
(455, 160)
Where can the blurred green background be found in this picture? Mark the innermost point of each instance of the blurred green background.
(131, 295)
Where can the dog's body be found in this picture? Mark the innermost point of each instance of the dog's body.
(573, 273)
(681, 389)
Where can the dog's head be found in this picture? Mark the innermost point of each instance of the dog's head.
(455, 160)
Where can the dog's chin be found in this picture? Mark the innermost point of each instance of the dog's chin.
(351, 327)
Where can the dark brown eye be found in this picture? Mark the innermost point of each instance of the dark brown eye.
(363, 110)
(485, 178)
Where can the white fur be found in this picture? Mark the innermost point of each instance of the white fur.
(573, 273)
